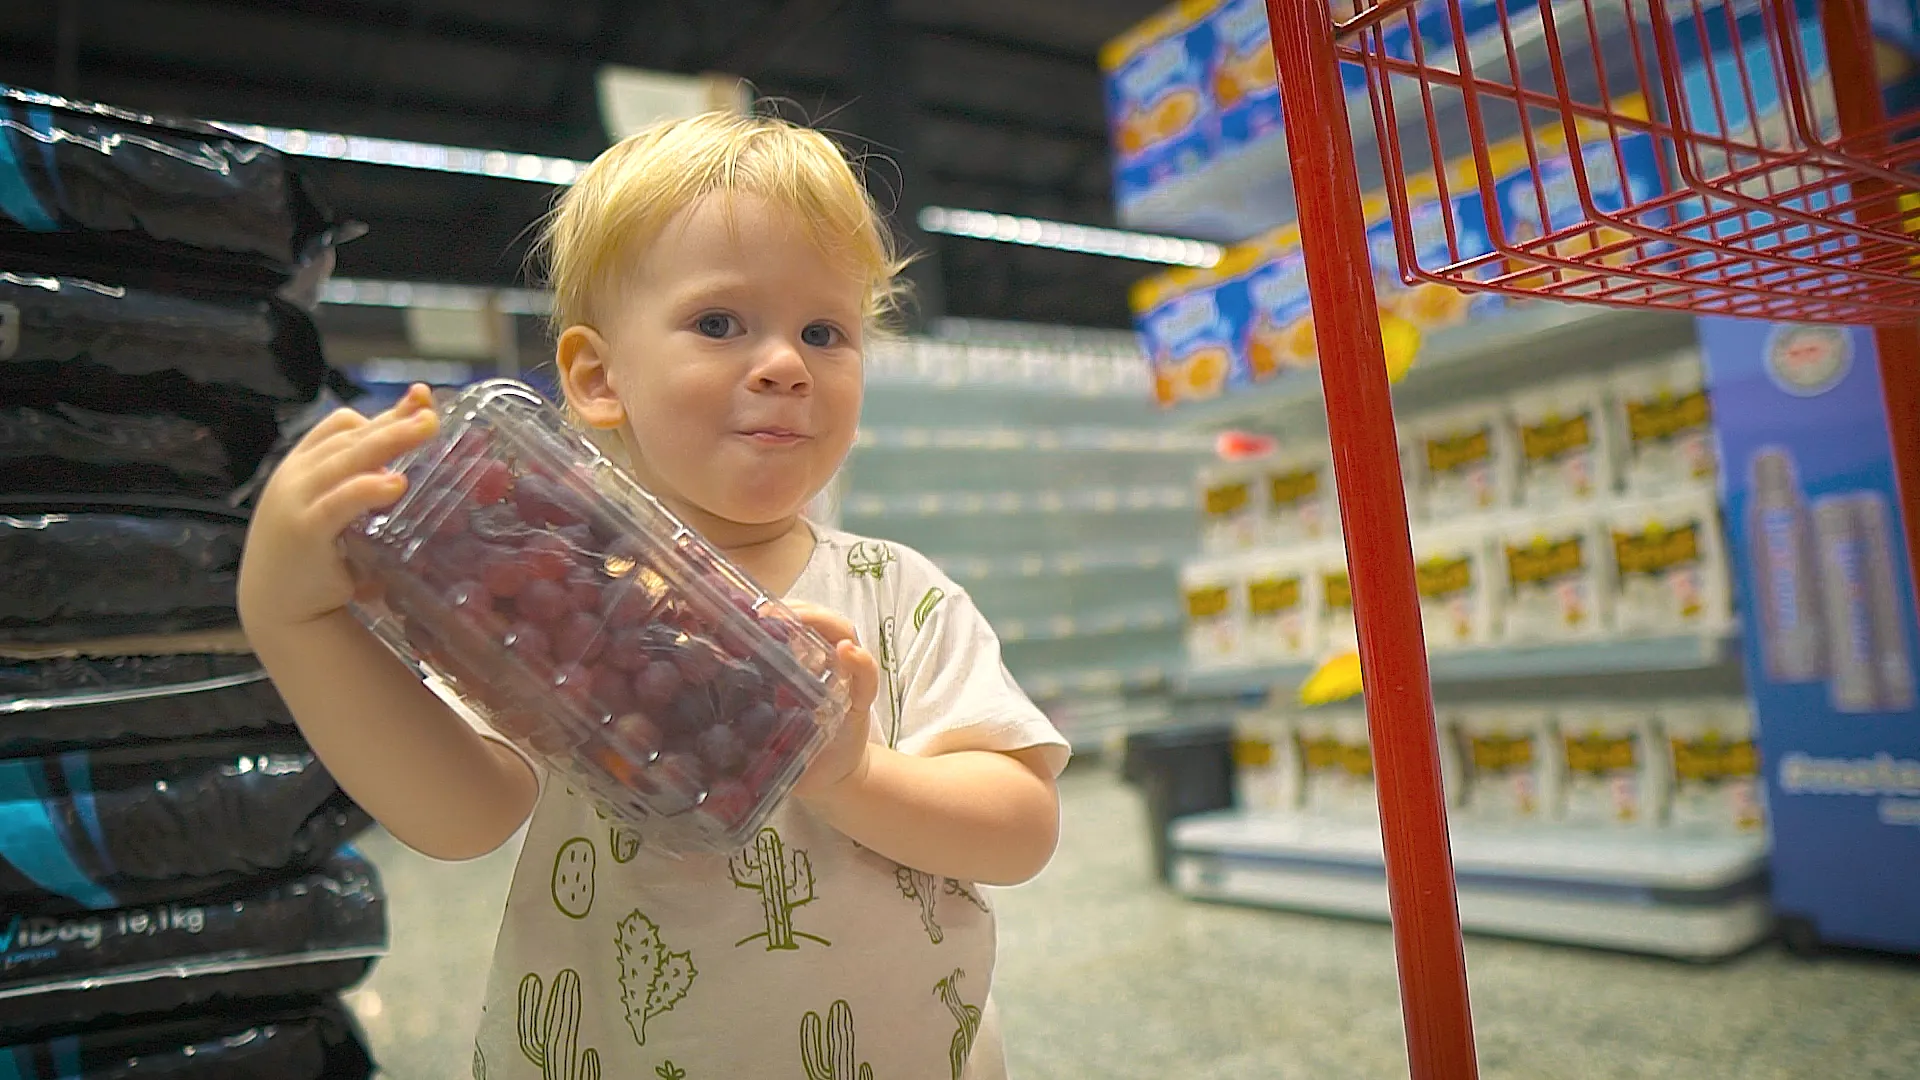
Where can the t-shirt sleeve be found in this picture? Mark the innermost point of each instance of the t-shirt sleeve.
(952, 690)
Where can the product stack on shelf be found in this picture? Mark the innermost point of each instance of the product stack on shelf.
(1041, 480)
(177, 890)
(1596, 739)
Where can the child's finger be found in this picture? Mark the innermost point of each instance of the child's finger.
(344, 426)
(373, 449)
(863, 676)
(317, 439)
(343, 505)
(830, 625)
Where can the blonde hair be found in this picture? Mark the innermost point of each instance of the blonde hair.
(630, 192)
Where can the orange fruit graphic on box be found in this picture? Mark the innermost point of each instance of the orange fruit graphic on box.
(1266, 350)
(1303, 348)
(1430, 305)
(1206, 372)
(1165, 390)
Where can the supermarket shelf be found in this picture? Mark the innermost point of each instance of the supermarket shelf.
(1044, 686)
(1625, 656)
(1530, 341)
(1063, 564)
(1099, 624)
(1665, 893)
(1104, 440)
(1252, 191)
(1099, 500)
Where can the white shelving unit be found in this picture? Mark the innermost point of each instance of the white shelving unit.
(1645, 891)
(1683, 652)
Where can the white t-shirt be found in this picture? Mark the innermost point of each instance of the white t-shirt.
(805, 956)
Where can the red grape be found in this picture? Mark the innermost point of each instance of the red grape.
(577, 638)
(529, 643)
(583, 593)
(728, 804)
(544, 564)
(756, 723)
(542, 601)
(626, 651)
(699, 661)
(637, 736)
(612, 690)
(573, 686)
(656, 684)
(490, 483)
(721, 749)
(503, 577)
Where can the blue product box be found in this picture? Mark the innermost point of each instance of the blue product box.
(1278, 333)
(1160, 112)
(1241, 75)
(1815, 540)
(1189, 326)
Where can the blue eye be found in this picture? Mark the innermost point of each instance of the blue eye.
(714, 326)
(819, 336)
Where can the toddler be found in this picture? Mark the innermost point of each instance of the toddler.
(715, 280)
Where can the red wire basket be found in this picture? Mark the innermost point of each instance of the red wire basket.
(1680, 154)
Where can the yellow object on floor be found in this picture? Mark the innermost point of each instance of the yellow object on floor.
(1336, 680)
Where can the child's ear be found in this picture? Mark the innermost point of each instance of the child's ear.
(584, 359)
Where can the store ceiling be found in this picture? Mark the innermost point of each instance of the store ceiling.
(989, 104)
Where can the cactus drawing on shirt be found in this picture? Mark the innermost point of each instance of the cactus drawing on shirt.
(550, 1029)
(573, 869)
(652, 980)
(924, 609)
(896, 689)
(918, 885)
(623, 844)
(967, 1016)
(827, 1048)
(869, 558)
(959, 889)
(784, 880)
(479, 1064)
(670, 1071)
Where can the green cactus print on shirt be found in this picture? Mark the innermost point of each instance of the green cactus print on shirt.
(652, 980)
(479, 1064)
(784, 880)
(967, 1016)
(550, 1036)
(623, 844)
(573, 868)
(869, 558)
(896, 688)
(827, 1049)
(669, 1071)
(918, 886)
(924, 609)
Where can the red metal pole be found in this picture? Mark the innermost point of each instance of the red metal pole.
(1366, 463)
(1859, 101)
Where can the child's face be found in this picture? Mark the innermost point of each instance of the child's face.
(735, 355)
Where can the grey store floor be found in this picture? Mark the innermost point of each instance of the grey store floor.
(1102, 975)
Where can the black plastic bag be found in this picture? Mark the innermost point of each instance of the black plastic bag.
(104, 829)
(316, 1042)
(287, 942)
(78, 703)
(87, 571)
(80, 336)
(84, 187)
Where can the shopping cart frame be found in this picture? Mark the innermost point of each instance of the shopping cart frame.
(1367, 469)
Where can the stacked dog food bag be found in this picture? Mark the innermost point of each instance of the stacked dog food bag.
(178, 894)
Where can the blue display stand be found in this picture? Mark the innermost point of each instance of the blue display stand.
(1814, 525)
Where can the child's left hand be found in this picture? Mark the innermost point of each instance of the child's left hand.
(845, 756)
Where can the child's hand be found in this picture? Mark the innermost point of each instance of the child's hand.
(846, 756)
(292, 571)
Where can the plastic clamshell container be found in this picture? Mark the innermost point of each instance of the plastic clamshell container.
(591, 628)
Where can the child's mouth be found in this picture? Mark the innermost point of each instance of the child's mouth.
(773, 437)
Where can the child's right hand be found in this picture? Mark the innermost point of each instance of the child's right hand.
(292, 571)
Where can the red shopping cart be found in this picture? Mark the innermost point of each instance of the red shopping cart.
(1778, 188)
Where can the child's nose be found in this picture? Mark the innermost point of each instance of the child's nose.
(781, 368)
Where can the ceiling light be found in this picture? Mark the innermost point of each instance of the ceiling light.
(534, 168)
(1063, 236)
